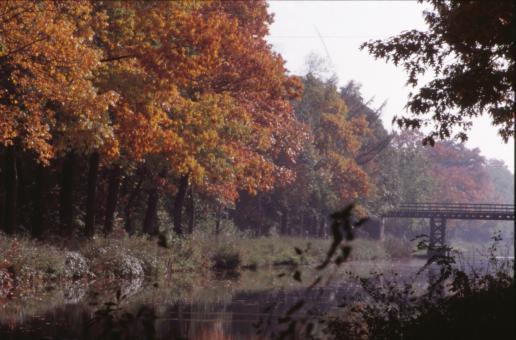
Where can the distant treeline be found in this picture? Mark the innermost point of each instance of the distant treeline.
(384, 170)
(170, 116)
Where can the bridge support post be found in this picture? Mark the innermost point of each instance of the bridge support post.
(437, 240)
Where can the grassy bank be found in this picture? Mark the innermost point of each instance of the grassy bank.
(27, 265)
(280, 250)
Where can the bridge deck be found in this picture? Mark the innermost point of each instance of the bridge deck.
(462, 211)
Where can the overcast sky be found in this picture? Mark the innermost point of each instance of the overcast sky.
(343, 26)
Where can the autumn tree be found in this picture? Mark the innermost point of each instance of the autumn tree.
(335, 176)
(172, 107)
(374, 142)
(400, 173)
(460, 173)
(470, 53)
(449, 172)
(502, 180)
(469, 49)
(463, 175)
(214, 109)
(327, 174)
(49, 105)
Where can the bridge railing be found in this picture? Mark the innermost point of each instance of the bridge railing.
(463, 207)
(454, 211)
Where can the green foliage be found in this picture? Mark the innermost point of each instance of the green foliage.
(401, 173)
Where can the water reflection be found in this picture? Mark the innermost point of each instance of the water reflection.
(221, 307)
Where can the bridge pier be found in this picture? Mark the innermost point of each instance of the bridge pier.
(438, 213)
(437, 241)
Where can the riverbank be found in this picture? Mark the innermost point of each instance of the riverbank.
(188, 292)
(29, 266)
(218, 307)
(209, 293)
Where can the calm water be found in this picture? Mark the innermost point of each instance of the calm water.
(185, 308)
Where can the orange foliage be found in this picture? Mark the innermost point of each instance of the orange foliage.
(460, 173)
(200, 86)
(192, 84)
(47, 100)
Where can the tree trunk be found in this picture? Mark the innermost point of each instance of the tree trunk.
(259, 225)
(381, 231)
(21, 186)
(92, 193)
(66, 194)
(322, 226)
(284, 222)
(128, 225)
(11, 190)
(2, 191)
(218, 219)
(302, 224)
(178, 204)
(112, 199)
(190, 210)
(151, 216)
(39, 217)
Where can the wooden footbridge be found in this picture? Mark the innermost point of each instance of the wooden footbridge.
(439, 213)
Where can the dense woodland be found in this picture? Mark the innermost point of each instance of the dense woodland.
(161, 117)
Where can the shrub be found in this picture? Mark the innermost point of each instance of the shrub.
(31, 263)
(456, 304)
(226, 257)
(397, 248)
(76, 266)
(6, 279)
(474, 308)
(114, 261)
(123, 257)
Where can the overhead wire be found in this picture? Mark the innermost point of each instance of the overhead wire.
(324, 44)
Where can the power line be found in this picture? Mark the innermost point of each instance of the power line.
(326, 36)
(324, 44)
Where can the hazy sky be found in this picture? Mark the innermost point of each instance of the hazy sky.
(344, 25)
